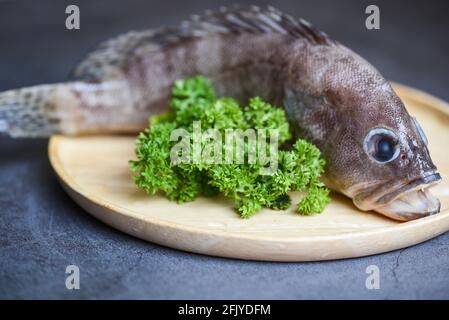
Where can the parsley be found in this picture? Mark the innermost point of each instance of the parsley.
(194, 99)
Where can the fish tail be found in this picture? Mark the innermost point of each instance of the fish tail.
(71, 108)
(29, 112)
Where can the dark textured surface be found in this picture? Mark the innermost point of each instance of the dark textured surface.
(42, 230)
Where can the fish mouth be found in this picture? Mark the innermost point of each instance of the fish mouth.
(404, 200)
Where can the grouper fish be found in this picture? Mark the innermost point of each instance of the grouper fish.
(376, 153)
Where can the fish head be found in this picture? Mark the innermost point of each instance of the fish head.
(378, 156)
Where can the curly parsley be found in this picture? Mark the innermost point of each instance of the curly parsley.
(194, 100)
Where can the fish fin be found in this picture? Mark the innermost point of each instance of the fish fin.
(297, 103)
(111, 57)
(313, 110)
(29, 112)
(253, 19)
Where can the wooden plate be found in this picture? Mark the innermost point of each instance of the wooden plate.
(95, 173)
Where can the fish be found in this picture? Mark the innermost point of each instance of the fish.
(376, 152)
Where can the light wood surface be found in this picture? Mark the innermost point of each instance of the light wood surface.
(95, 173)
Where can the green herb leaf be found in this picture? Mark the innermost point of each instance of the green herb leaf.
(194, 99)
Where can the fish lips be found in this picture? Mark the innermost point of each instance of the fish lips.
(403, 200)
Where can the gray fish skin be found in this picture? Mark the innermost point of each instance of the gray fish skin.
(332, 96)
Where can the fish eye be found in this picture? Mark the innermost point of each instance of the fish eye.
(381, 145)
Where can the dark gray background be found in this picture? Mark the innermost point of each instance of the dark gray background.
(42, 230)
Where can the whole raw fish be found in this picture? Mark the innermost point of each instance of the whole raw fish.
(376, 152)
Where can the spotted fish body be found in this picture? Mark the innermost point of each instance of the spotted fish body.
(332, 97)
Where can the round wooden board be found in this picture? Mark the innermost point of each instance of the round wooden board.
(94, 171)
